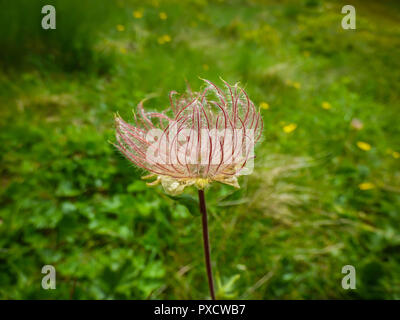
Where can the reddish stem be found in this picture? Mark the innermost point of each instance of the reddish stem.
(206, 243)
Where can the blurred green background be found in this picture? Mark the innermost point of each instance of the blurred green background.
(326, 187)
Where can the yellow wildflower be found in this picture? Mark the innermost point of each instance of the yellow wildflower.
(326, 105)
(120, 27)
(206, 67)
(366, 186)
(123, 50)
(163, 16)
(396, 154)
(290, 127)
(363, 145)
(163, 39)
(137, 14)
(264, 105)
(297, 85)
(293, 84)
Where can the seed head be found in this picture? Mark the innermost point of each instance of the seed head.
(204, 137)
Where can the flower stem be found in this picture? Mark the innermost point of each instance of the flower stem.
(206, 242)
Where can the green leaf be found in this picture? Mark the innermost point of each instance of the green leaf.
(190, 202)
(226, 289)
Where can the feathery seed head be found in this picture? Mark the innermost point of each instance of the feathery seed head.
(204, 137)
